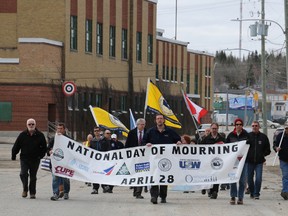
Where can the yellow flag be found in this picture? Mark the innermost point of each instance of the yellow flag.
(156, 103)
(106, 120)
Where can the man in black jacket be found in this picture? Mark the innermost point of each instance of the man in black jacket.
(32, 144)
(134, 139)
(259, 148)
(160, 134)
(214, 137)
(281, 146)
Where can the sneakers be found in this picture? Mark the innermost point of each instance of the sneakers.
(55, 197)
(163, 200)
(256, 198)
(24, 194)
(232, 201)
(284, 195)
(66, 196)
(203, 192)
(32, 196)
(94, 191)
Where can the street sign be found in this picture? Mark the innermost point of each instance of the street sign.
(69, 88)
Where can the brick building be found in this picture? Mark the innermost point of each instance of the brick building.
(107, 48)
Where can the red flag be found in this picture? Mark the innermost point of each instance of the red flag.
(195, 110)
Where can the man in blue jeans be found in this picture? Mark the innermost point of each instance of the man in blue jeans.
(259, 148)
(282, 149)
(56, 180)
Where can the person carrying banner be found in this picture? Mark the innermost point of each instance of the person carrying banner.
(134, 139)
(105, 145)
(259, 148)
(282, 150)
(213, 138)
(32, 144)
(238, 134)
(56, 180)
(160, 134)
(95, 144)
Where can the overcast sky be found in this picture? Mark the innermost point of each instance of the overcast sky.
(207, 25)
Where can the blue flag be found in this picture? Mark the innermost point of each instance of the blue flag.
(132, 120)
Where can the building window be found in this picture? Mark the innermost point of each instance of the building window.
(163, 72)
(73, 32)
(99, 39)
(112, 40)
(5, 111)
(175, 79)
(167, 73)
(157, 72)
(123, 101)
(150, 48)
(124, 44)
(98, 99)
(188, 84)
(196, 84)
(139, 47)
(182, 75)
(172, 73)
(88, 39)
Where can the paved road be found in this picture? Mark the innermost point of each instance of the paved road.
(121, 202)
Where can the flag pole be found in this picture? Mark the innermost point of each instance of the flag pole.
(193, 118)
(279, 147)
(91, 110)
(146, 99)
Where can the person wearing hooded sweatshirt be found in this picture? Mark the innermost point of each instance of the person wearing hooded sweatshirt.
(238, 134)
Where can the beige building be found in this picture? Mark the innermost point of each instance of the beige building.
(106, 48)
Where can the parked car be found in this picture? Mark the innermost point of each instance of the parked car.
(270, 124)
(280, 120)
(276, 132)
(201, 130)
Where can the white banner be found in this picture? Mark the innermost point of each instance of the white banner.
(157, 165)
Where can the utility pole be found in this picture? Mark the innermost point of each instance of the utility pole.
(176, 16)
(240, 29)
(286, 38)
(263, 72)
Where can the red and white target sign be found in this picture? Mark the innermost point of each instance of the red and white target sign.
(69, 88)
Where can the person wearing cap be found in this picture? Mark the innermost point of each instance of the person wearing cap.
(282, 149)
(259, 148)
(238, 134)
(115, 143)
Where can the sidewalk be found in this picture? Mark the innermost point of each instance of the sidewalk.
(122, 203)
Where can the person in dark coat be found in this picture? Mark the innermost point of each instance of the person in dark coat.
(238, 134)
(282, 149)
(32, 144)
(160, 134)
(134, 139)
(214, 138)
(259, 148)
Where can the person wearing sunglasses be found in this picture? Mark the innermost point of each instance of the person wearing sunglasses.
(238, 134)
(32, 144)
(214, 137)
(259, 148)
